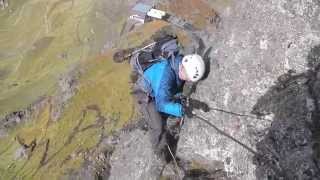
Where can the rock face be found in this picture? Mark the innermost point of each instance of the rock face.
(263, 87)
(291, 144)
(134, 158)
(254, 44)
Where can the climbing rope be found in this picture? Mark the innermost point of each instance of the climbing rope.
(268, 162)
(175, 162)
(225, 134)
(237, 114)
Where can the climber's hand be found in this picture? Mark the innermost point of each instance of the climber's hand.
(190, 104)
(196, 104)
(187, 109)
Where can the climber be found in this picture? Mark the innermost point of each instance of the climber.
(166, 80)
(161, 72)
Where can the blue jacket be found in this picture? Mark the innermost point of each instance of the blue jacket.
(163, 77)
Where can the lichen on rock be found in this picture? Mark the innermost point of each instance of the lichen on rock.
(59, 96)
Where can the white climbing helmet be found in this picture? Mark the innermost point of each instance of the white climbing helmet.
(194, 67)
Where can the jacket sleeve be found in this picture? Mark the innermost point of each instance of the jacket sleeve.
(163, 99)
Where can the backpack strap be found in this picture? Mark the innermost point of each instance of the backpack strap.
(165, 47)
(142, 84)
(170, 47)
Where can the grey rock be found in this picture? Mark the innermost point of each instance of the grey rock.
(134, 158)
(273, 112)
(4, 4)
(172, 172)
(20, 154)
(68, 84)
(290, 143)
(255, 43)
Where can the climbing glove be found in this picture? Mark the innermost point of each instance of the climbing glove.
(196, 104)
(190, 104)
(188, 110)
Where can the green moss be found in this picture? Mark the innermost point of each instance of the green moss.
(141, 34)
(103, 104)
(44, 39)
(40, 41)
(37, 46)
